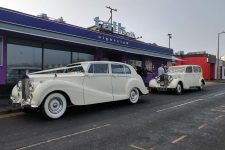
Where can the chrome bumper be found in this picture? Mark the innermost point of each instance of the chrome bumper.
(23, 103)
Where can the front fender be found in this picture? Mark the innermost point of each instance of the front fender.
(74, 91)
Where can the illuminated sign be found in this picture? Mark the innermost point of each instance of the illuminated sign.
(114, 27)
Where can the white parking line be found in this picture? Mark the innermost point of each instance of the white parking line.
(63, 137)
(179, 105)
(219, 94)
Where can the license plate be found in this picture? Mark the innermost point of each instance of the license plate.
(162, 84)
(162, 89)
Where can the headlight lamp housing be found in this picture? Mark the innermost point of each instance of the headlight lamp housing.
(19, 85)
(170, 79)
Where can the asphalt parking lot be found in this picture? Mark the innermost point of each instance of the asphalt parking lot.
(162, 121)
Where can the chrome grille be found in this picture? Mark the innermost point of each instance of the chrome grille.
(25, 88)
(164, 80)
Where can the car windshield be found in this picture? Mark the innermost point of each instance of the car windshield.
(176, 69)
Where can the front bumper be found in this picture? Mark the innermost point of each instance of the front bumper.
(162, 88)
(22, 103)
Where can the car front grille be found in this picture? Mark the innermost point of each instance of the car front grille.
(25, 88)
(164, 80)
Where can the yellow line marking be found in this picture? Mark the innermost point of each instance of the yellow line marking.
(179, 139)
(136, 147)
(219, 117)
(203, 126)
(62, 137)
(11, 115)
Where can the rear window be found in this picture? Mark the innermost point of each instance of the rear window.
(99, 68)
(127, 70)
(189, 69)
(196, 69)
(117, 69)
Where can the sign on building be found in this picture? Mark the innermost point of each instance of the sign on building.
(114, 27)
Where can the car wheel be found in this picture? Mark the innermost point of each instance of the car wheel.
(134, 96)
(54, 106)
(201, 86)
(179, 89)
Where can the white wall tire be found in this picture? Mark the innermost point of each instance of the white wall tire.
(54, 106)
(179, 89)
(134, 96)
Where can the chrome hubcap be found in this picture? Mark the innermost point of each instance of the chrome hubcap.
(178, 88)
(55, 105)
(133, 95)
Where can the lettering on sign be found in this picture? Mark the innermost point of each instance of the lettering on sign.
(114, 27)
(112, 40)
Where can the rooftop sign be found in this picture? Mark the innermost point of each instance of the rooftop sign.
(115, 27)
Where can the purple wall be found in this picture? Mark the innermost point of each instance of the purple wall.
(3, 68)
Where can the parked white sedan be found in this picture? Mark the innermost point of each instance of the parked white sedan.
(178, 79)
(78, 84)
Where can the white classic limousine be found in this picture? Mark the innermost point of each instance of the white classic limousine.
(178, 79)
(78, 84)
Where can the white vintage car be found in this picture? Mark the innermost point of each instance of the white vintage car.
(78, 84)
(179, 78)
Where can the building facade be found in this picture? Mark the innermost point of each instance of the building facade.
(30, 43)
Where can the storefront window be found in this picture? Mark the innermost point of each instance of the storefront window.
(56, 58)
(1, 51)
(135, 63)
(148, 65)
(22, 59)
(80, 57)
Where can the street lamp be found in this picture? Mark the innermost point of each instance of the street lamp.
(170, 36)
(218, 55)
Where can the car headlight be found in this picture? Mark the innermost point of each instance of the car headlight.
(19, 85)
(170, 78)
(157, 79)
(31, 86)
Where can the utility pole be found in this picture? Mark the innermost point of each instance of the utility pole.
(218, 55)
(111, 10)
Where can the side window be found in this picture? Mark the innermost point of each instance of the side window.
(199, 69)
(196, 70)
(127, 70)
(91, 69)
(189, 69)
(101, 68)
(117, 69)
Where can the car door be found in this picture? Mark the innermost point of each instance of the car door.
(119, 81)
(188, 77)
(97, 84)
(196, 75)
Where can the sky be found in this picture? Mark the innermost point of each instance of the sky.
(194, 24)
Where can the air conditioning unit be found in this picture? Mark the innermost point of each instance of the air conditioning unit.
(60, 20)
(43, 16)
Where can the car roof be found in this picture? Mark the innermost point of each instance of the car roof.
(98, 62)
(185, 65)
